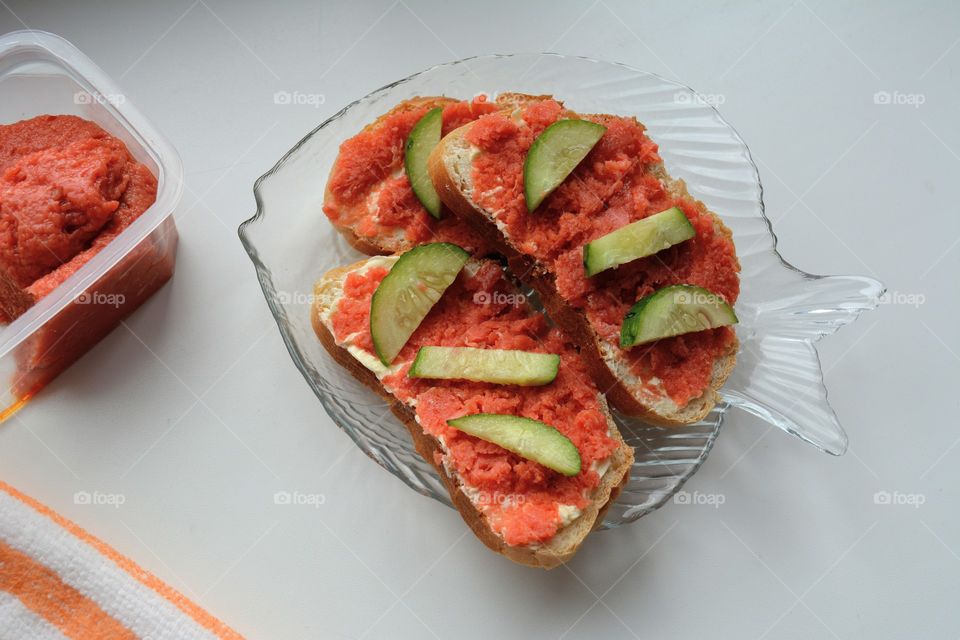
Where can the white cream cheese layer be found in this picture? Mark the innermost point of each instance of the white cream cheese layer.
(568, 513)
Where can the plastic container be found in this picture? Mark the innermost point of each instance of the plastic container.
(41, 73)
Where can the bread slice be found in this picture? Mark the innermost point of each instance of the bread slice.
(329, 292)
(451, 169)
(377, 152)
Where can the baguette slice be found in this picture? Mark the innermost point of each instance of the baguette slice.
(451, 167)
(368, 197)
(476, 507)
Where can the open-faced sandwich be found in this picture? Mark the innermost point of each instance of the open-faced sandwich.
(639, 277)
(637, 272)
(494, 398)
(379, 194)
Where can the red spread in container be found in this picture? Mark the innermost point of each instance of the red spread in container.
(67, 188)
(369, 191)
(613, 186)
(519, 497)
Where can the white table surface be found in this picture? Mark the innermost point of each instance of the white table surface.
(196, 415)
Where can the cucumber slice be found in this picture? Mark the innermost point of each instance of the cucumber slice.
(672, 311)
(528, 438)
(554, 154)
(637, 240)
(500, 366)
(424, 136)
(406, 295)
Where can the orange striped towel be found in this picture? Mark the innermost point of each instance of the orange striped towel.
(58, 581)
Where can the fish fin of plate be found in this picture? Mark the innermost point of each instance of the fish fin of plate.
(778, 376)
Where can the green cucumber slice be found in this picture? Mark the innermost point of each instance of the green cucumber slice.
(637, 240)
(528, 438)
(424, 136)
(554, 154)
(673, 311)
(499, 366)
(406, 295)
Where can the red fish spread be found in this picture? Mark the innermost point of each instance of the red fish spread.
(67, 188)
(615, 184)
(370, 193)
(525, 502)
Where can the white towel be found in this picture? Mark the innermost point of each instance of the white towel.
(58, 581)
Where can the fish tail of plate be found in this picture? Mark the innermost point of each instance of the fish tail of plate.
(778, 376)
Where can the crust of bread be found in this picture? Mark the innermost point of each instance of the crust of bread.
(547, 556)
(449, 165)
(386, 245)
